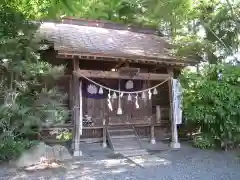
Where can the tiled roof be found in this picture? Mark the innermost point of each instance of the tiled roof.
(110, 42)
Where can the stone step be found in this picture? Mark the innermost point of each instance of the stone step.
(126, 143)
(124, 146)
(119, 127)
(119, 130)
(127, 148)
(120, 133)
(123, 137)
(130, 153)
(127, 138)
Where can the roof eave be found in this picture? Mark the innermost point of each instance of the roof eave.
(137, 59)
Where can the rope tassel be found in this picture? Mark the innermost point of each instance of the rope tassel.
(119, 111)
(100, 91)
(129, 97)
(114, 95)
(155, 92)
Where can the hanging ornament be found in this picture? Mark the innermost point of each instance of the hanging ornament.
(136, 102)
(149, 94)
(220, 76)
(10, 98)
(100, 91)
(114, 96)
(129, 97)
(143, 95)
(129, 84)
(92, 89)
(155, 91)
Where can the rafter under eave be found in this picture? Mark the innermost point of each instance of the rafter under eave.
(117, 75)
(178, 62)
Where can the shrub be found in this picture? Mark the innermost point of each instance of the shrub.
(28, 96)
(213, 104)
(11, 148)
(203, 142)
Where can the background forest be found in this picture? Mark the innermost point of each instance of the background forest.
(206, 31)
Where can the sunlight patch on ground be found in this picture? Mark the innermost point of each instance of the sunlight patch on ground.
(43, 165)
(112, 162)
(117, 171)
(91, 169)
(149, 160)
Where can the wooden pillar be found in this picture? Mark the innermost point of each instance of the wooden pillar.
(71, 107)
(153, 141)
(77, 112)
(174, 144)
(153, 122)
(80, 106)
(158, 114)
(104, 144)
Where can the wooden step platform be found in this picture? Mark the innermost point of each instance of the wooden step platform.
(125, 141)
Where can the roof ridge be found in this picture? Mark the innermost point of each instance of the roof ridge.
(110, 25)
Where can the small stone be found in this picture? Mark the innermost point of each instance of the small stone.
(35, 155)
(61, 153)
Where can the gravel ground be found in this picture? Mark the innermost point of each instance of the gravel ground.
(186, 164)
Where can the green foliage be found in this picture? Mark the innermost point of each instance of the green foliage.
(63, 134)
(191, 46)
(11, 148)
(206, 30)
(174, 12)
(41, 9)
(203, 142)
(124, 11)
(28, 99)
(212, 104)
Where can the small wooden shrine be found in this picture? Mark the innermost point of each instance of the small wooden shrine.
(116, 76)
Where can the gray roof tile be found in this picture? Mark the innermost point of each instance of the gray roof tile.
(97, 40)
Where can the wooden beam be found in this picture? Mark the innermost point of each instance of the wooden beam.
(119, 64)
(75, 63)
(170, 72)
(117, 75)
(151, 60)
